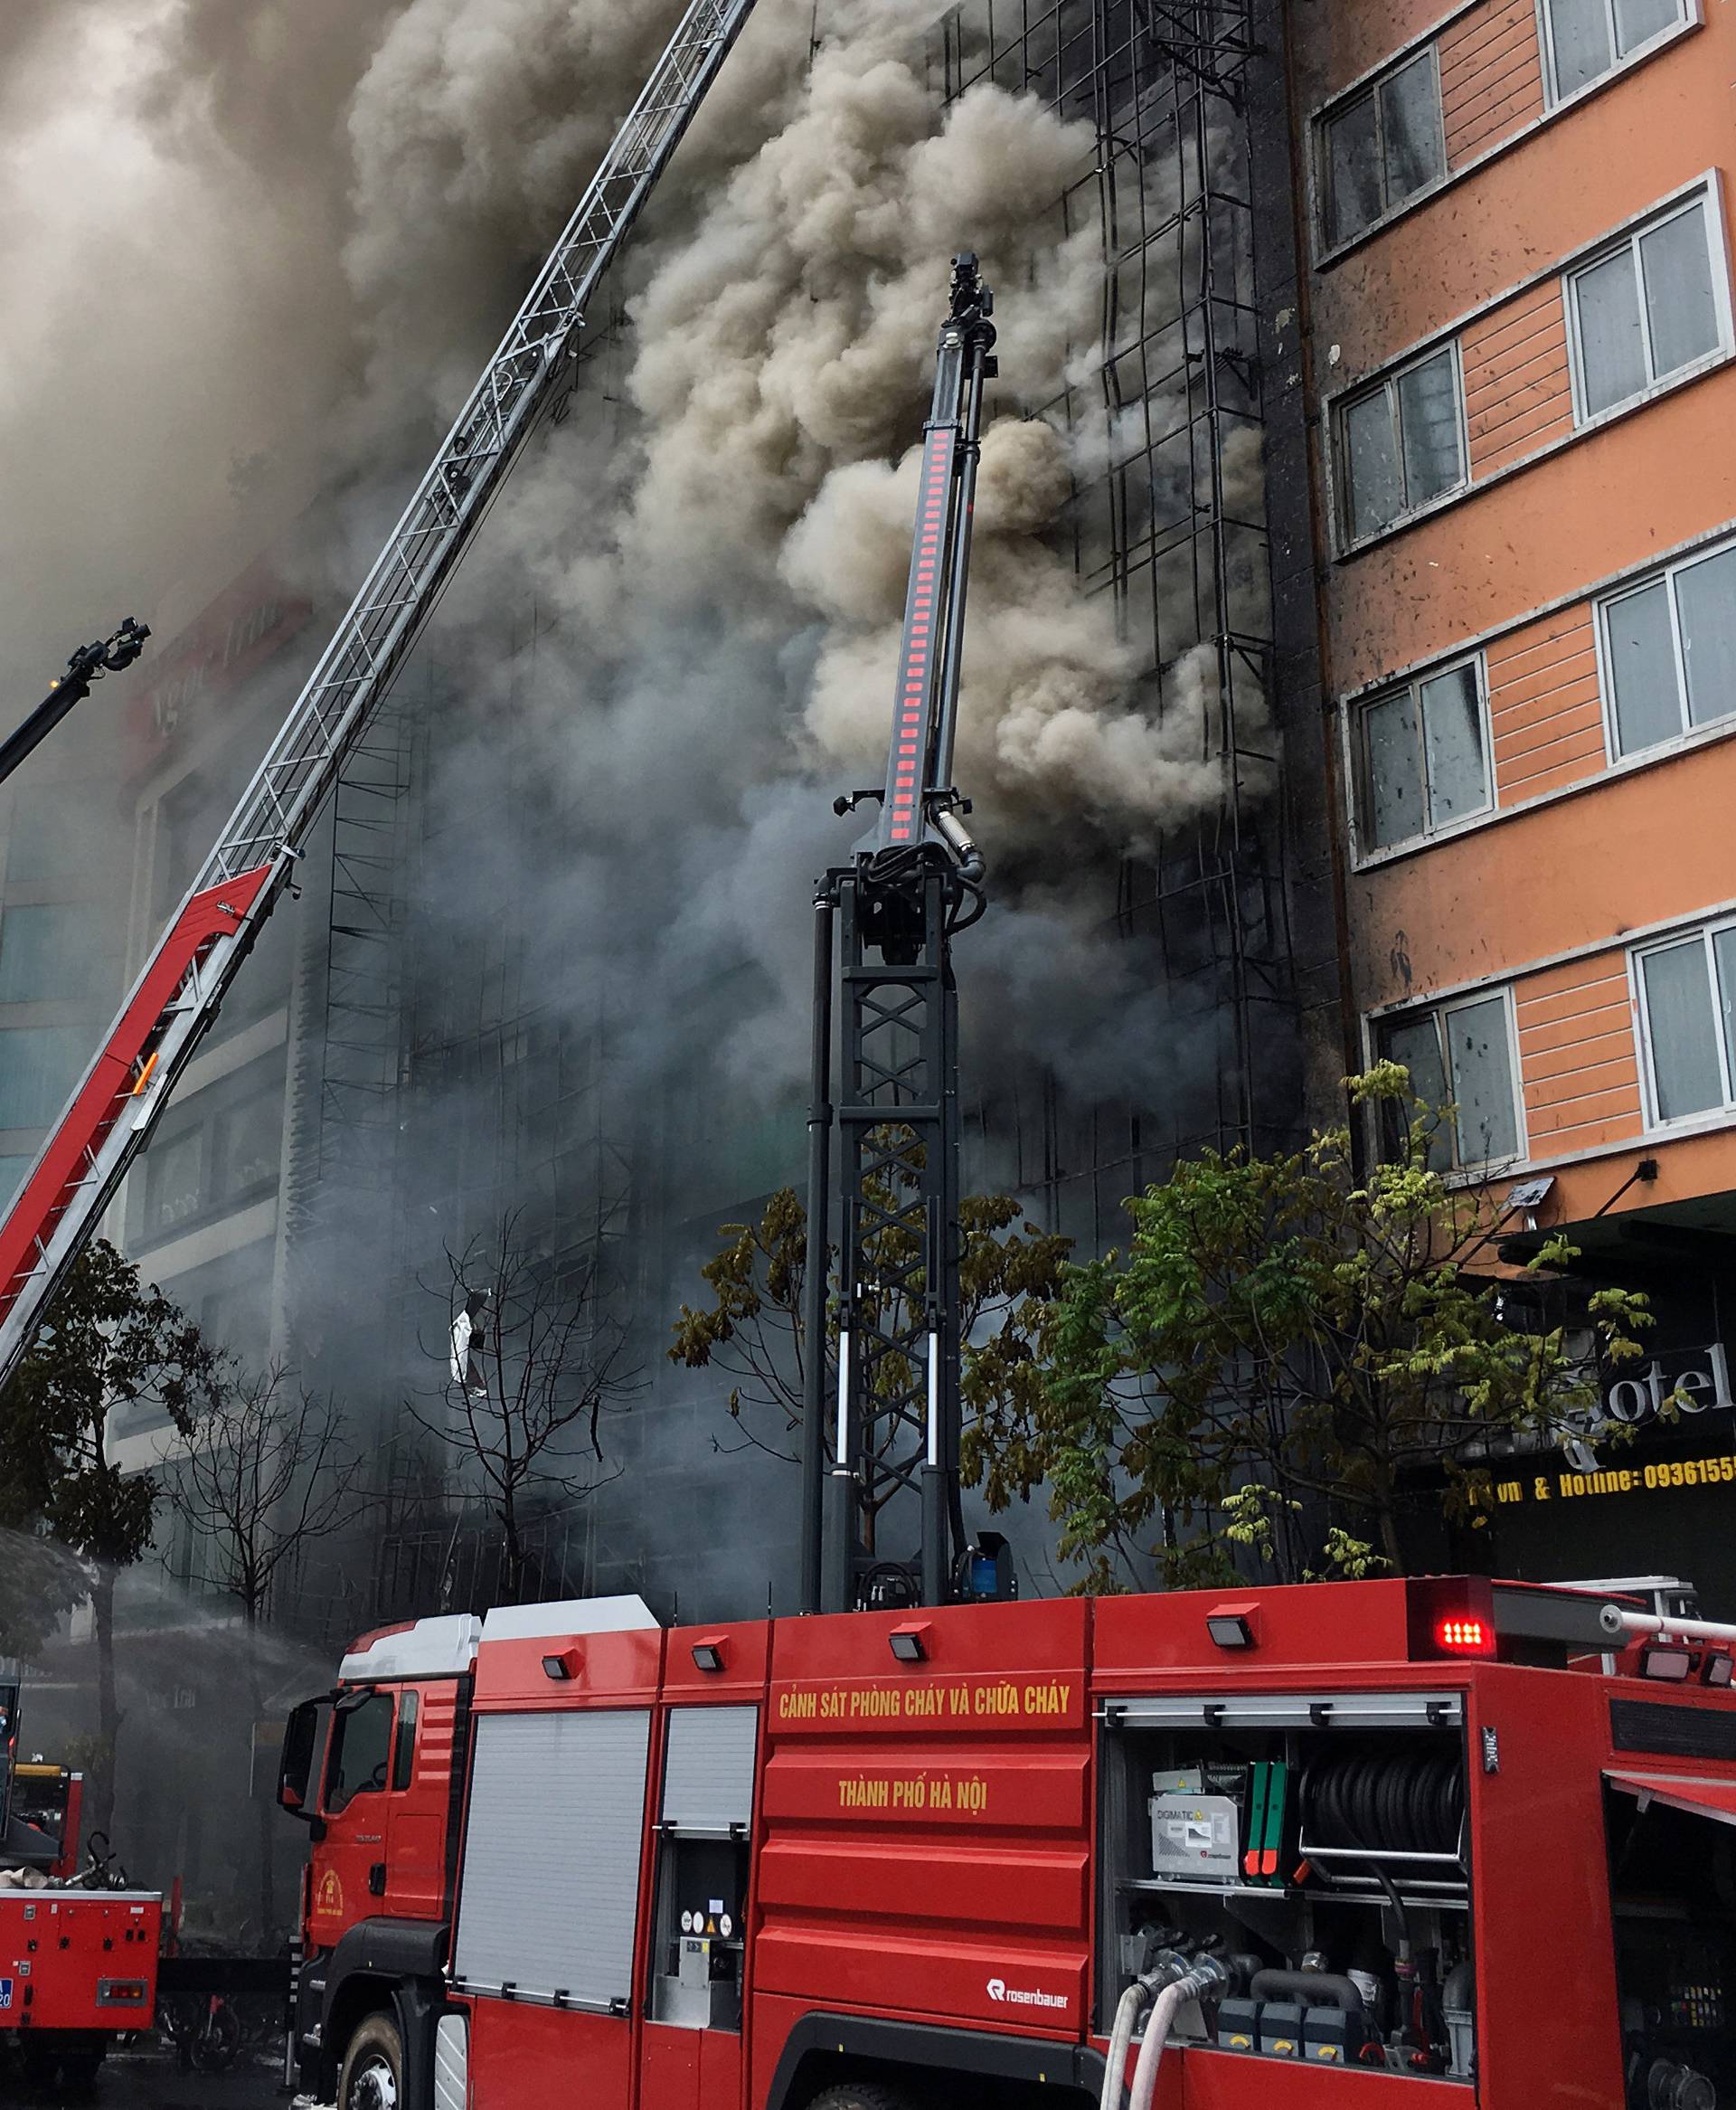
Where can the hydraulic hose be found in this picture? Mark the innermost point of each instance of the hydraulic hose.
(1128, 2010)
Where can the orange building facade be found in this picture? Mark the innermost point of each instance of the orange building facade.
(1521, 376)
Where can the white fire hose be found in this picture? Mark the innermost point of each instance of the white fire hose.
(1127, 2011)
(1203, 1976)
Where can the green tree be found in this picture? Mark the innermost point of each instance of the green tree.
(109, 1341)
(752, 1327)
(1286, 1358)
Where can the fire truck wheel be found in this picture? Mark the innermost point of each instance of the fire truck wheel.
(861, 2095)
(373, 2067)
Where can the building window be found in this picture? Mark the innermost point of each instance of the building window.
(1686, 991)
(1460, 1057)
(247, 1146)
(1588, 38)
(1669, 646)
(1645, 309)
(1383, 147)
(174, 1181)
(1424, 757)
(48, 953)
(39, 1066)
(1404, 443)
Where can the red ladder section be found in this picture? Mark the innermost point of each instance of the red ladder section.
(122, 1073)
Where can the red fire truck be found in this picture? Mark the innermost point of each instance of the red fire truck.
(77, 1966)
(1414, 1842)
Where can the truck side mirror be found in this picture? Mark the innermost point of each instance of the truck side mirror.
(295, 1773)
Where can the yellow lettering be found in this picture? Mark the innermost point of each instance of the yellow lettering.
(997, 1699)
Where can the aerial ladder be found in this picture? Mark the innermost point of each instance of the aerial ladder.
(884, 1448)
(178, 991)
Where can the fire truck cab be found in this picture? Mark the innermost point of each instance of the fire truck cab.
(1413, 1843)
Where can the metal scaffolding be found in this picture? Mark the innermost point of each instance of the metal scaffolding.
(1175, 528)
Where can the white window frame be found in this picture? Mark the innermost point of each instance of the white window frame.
(1688, 16)
(1602, 605)
(1357, 766)
(1371, 85)
(1703, 197)
(1467, 1000)
(1715, 1116)
(1388, 379)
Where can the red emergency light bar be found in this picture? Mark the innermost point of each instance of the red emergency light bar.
(1463, 1635)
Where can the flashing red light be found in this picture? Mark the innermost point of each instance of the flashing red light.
(1461, 1636)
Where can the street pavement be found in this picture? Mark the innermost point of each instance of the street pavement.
(134, 2081)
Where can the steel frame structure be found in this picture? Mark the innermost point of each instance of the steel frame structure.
(1174, 527)
(177, 995)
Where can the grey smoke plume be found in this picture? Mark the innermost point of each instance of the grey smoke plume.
(289, 237)
(307, 220)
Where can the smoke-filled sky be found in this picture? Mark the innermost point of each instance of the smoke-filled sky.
(255, 249)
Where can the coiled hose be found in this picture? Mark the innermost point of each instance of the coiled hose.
(1392, 1802)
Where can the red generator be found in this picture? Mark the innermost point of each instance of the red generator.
(1396, 1845)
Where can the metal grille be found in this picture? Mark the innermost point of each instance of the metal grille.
(708, 1768)
(452, 2063)
(1186, 96)
(549, 1898)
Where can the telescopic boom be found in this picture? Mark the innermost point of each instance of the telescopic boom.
(883, 1455)
(89, 664)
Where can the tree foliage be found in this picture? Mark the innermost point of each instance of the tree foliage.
(753, 1329)
(1279, 1357)
(109, 1341)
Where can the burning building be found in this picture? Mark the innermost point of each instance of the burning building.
(1315, 613)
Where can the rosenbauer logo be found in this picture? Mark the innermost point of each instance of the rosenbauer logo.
(1014, 1996)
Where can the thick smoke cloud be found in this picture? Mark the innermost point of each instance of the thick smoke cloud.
(727, 565)
(260, 249)
(291, 236)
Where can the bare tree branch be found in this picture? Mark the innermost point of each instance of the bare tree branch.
(535, 1366)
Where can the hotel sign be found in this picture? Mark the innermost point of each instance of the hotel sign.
(1687, 1381)
(1673, 1386)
